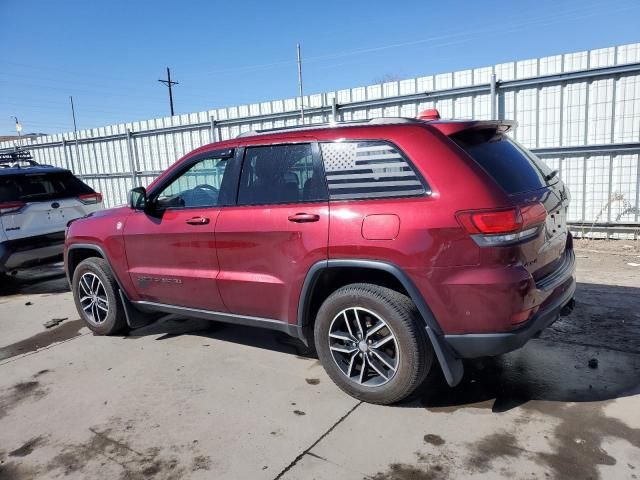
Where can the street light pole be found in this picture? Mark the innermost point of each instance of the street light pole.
(18, 126)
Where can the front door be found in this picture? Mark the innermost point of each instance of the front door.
(279, 228)
(170, 247)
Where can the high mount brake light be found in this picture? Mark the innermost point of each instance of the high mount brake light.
(429, 114)
(11, 207)
(90, 198)
(503, 226)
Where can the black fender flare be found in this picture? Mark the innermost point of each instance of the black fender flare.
(451, 365)
(85, 246)
(135, 318)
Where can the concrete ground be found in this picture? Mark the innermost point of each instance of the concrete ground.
(184, 398)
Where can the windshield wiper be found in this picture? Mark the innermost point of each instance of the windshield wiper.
(549, 176)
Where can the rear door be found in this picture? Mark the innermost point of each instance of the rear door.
(50, 200)
(279, 228)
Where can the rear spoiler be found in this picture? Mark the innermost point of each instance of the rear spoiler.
(456, 126)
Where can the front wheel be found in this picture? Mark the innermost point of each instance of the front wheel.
(371, 342)
(95, 292)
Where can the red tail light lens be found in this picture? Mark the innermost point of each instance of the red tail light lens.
(491, 222)
(503, 226)
(10, 207)
(90, 198)
(533, 214)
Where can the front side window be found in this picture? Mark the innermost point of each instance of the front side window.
(199, 186)
(280, 174)
(368, 169)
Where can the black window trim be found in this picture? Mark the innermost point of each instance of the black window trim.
(227, 187)
(428, 191)
(316, 162)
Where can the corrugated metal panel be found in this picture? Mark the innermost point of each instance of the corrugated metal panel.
(560, 115)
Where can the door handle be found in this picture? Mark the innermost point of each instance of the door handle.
(304, 217)
(198, 221)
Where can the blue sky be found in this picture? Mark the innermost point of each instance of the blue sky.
(109, 55)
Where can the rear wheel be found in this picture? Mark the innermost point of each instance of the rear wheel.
(371, 342)
(95, 292)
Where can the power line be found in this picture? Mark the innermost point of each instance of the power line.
(169, 84)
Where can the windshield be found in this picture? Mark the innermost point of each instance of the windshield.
(510, 164)
(35, 187)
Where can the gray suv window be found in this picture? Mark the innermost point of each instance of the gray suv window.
(368, 169)
(198, 187)
(280, 174)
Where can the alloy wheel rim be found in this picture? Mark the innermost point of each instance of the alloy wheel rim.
(93, 298)
(364, 347)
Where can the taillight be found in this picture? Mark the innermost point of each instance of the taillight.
(10, 207)
(90, 198)
(503, 226)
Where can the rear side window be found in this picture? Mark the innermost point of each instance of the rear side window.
(280, 174)
(368, 169)
(511, 165)
(36, 187)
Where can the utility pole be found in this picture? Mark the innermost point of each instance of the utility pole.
(169, 83)
(75, 133)
(300, 84)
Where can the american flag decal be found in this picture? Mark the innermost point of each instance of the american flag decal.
(368, 170)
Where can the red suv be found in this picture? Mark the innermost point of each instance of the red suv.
(386, 244)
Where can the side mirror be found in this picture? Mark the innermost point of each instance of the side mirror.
(138, 198)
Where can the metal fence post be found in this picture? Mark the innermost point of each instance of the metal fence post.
(494, 88)
(80, 166)
(212, 129)
(66, 158)
(132, 163)
(334, 110)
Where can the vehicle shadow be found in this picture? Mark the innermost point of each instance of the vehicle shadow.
(172, 326)
(592, 355)
(39, 280)
(603, 331)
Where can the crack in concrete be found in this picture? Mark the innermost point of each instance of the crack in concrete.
(322, 437)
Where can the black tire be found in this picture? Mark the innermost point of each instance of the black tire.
(8, 284)
(415, 356)
(115, 320)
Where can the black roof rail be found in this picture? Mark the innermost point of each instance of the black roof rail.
(17, 159)
(342, 123)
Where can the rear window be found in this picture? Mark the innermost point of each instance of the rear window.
(35, 187)
(511, 165)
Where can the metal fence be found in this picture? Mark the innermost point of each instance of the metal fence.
(579, 111)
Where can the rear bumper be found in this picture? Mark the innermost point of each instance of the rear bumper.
(31, 251)
(563, 287)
